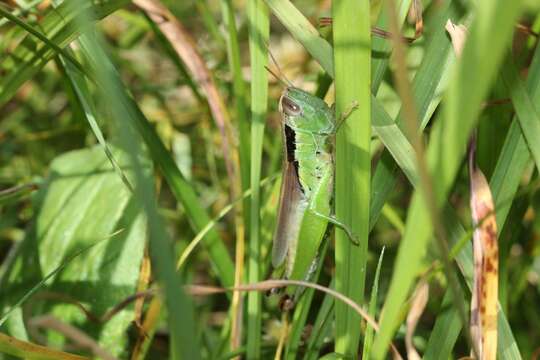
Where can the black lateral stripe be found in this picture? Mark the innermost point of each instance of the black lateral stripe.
(290, 141)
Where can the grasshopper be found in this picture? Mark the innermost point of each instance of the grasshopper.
(305, 209)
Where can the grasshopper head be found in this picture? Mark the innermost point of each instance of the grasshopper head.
(305, 111)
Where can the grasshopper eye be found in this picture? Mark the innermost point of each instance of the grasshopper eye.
(290, 107)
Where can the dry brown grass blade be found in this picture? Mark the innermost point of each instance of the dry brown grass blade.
(198, 290)
(98, 319)
(272, 284)
(484, 302)
(418, 304)
(415, 17)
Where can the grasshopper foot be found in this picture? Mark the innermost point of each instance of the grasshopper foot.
(354, 105)
(332, 219)
(286, 303)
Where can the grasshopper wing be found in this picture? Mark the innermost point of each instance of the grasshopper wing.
(292, 206)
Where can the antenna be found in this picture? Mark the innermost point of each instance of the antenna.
(276, 76)
(327, 21)
(283, 79)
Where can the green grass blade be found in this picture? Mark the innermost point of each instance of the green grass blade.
(43, 38)
(182, 190)
(368, 338)
(304, 32)
(179, 308)
(259, 29)
(239, 91)
(84, 97)
(185, 194)
(60, 29)
(395, 141)
(467, 90)
(527, 111)
(429, 79)
(381, 47)
(352, 63)
(504, 183)
(445, 332)
(514, 155)
(210, 23)
(321, 327)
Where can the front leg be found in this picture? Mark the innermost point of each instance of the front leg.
(341, 120)
(345, 115)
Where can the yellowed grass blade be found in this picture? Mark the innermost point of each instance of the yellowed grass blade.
(486, 264)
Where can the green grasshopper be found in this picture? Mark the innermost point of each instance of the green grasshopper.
(308, 127)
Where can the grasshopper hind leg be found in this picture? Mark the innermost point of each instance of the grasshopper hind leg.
(288, 300)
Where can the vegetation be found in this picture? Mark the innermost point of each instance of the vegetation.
(140, 154)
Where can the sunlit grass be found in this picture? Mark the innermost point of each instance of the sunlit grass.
(71, 222)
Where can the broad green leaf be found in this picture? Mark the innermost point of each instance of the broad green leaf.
(83, 202)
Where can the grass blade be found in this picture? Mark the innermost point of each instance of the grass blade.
(321, 327)
(180, 312)
(504, 183)
(259, 30)
(239, 92)
(467, 90)
(445, 332)
(368, 338)
(527, 111)
(352, 64)
(182, 190)
(60, 30)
